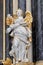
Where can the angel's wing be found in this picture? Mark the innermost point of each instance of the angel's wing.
(28, 18)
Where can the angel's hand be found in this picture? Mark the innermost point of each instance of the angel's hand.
(8, 30)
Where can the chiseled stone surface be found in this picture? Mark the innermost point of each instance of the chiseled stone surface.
(11, 7)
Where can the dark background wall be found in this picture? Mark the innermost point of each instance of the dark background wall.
(37, 12)
(22, 4)
(9, 10)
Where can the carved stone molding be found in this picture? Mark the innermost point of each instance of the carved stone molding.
(39, 62)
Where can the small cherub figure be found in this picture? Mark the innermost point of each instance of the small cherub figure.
(9, 20)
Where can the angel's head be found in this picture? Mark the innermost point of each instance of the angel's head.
(19, 12)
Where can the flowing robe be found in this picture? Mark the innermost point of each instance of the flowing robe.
(20, 38)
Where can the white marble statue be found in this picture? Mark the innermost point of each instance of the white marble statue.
(21, 34)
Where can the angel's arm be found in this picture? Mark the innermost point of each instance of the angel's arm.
(11, 27)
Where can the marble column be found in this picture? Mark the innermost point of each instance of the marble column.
(9, 10)
(3, 29)
(40, 29)
(22, 5)
(7, 6)
(11, 13)
(11, 7)
(28, 5)
(15, 6)
(7, 36)
(33, 30)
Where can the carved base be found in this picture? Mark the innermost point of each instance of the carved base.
(39, 63)
(25, 63)
(20, 63)
(8, 61)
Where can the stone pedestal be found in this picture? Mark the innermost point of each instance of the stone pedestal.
(39, 63)
(25, 63)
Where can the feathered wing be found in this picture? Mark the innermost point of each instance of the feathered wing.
(28, 19)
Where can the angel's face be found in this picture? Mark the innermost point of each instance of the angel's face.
(19, 13)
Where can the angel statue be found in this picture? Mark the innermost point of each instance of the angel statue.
(21, 29)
